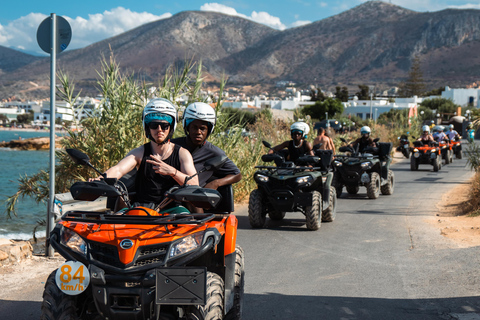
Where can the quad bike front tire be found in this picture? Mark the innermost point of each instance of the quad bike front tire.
(387, 189)
(459, 154)
(373, 187)
(58, 305)
(256, 210)
(447, 157)
(276, 215)
(337, 185)
(406, 153)
(329, 214)
(352, 189)
(313, 212)
(436, 164)
(236, 312)
(413, 164)
(451, 156)
(213, 308)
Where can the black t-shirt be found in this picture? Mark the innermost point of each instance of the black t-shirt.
(294, 152)
(202, 154)
(363, 143)
(150, 187)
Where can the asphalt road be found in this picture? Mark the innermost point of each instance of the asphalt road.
(379, 259)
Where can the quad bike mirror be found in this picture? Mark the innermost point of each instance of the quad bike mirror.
(343, 140)
(376, 140)
(210, 164)
(82, 159)
(266, 144)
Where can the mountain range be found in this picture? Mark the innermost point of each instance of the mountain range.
(373, 43)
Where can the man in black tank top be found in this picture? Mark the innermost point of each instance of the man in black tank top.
(160, 164)
(298, 146)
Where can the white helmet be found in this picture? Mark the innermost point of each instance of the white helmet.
(157, 109)
(199, 111)
(300, 126)
(426, 128)
(451, 126)
(364, 130)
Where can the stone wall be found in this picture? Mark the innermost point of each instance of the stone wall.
(12, 251)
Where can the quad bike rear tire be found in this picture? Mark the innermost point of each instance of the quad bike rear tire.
(338, 186)
(276, 215)
(459, 154)
(256, 209)
(387, 189)
(329, 214)
(413, 163)
(213, 308)
(236, 312)
(313, 212)
(352, 189)
(58, 305)
(373, 187)
(436, 164)
(406, 153)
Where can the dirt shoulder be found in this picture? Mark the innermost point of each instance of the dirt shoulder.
(452, 220)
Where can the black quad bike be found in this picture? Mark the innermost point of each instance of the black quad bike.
(140, 263)
(370, 169)
(404, 145)
(289, 187)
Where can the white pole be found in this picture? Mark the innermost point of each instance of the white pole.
(53, 55)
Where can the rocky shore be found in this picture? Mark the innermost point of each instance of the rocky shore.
(42, 143)
(12, 251)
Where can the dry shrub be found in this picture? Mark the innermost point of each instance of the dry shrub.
(473, 204)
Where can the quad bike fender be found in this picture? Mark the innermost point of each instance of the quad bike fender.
(230, 235)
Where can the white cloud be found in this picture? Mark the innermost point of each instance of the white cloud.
(21, 33)
(259, 17)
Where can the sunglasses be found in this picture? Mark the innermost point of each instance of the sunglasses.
(155, 125)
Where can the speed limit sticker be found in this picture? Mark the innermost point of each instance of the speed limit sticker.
(72, 277)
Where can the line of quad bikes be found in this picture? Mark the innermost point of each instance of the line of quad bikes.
(142, 263)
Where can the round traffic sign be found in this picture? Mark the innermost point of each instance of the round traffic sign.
(63, 34)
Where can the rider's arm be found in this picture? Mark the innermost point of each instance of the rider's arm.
(230, 179)
(279, 147)
(186, 168)
(308, 149)
(127, 164)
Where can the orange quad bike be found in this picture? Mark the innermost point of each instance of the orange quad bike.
(457, 147)
(140, 263)
(446, 149)
(428, 153)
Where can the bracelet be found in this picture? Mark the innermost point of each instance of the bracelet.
(175, 173)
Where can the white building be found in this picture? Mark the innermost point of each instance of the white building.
(462, 96)
(28, 106)
(11, 113)
(364, 108)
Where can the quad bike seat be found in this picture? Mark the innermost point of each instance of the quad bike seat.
(384, 149)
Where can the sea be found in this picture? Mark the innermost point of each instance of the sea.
(13, 165)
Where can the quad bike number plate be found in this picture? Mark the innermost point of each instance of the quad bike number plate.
(181, 286)
(72, 277)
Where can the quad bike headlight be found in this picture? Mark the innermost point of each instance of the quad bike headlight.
(73, 241)
(415, 150)
(186, 244)
(261, 178)
(304, 179)
(337, 163)
(366, 165)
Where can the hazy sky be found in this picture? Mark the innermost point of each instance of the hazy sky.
(92, 21)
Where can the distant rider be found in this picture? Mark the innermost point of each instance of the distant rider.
(452, 134)
(326, 141)
(298, 146)
(440, 135)
(365, 140)
(426, 137)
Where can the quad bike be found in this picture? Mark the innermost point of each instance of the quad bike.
(370, 169)
(289, 187)
(140, 263)
(428, 153)
(446, 149)
(404, 146)
(457, 147)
